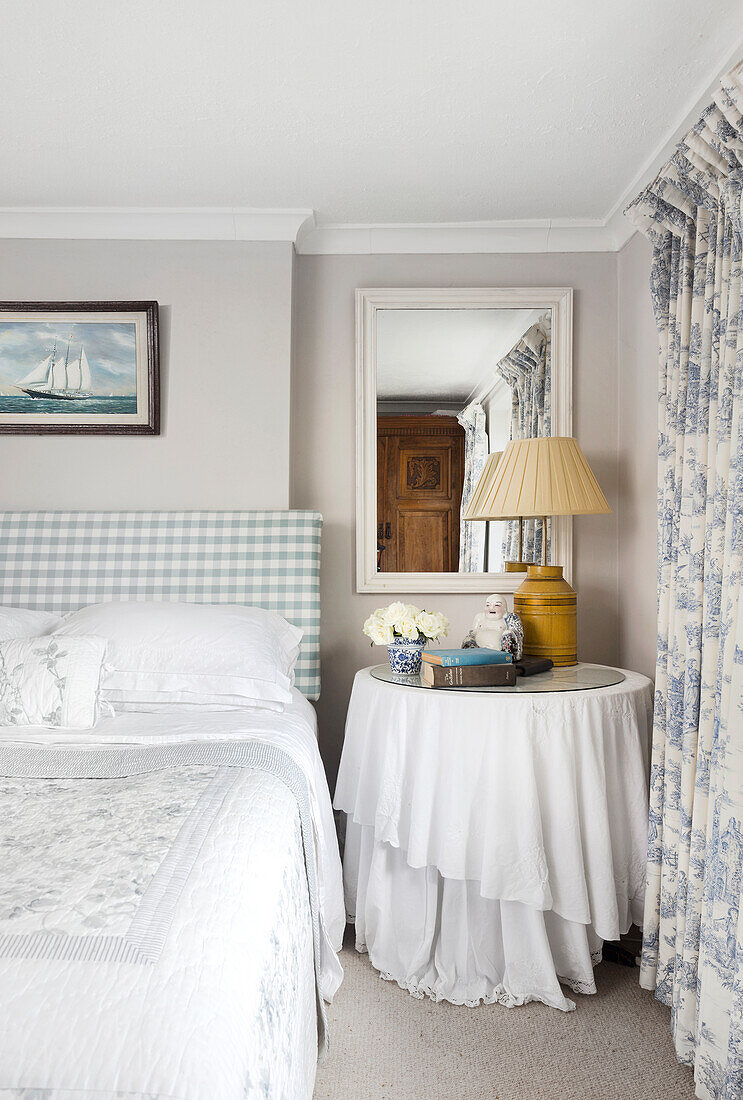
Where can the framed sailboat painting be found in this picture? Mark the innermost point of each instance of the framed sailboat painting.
(79, 367)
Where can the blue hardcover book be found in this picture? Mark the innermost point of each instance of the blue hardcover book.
(449, 657)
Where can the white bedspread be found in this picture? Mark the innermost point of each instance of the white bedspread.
(156, 938)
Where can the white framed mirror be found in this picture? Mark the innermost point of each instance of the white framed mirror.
(443, 378)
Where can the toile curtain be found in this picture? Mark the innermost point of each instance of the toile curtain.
(693, 928)
(472, 535)
(526, 370)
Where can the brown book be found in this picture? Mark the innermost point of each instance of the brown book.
(468, 675)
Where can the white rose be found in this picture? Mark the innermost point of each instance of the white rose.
(408, 627)
(428, 623)
(383, 635)
(393, 614)
(442, 625)
(432, 623)
(377, 630)
(411, 611)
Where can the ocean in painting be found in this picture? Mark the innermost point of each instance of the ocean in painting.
(41, 406)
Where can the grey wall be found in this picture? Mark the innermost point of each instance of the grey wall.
(323, 441)
(637, 435)
(225, 311)
(230, 358)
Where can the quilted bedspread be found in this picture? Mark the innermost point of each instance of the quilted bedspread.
(160, 929)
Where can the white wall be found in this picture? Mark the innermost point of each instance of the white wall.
(323, 441)
(637, 459)
(225, 313)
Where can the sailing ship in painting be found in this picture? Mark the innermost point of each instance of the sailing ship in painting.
(60, 379)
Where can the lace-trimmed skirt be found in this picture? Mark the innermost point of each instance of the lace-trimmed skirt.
(441, 939)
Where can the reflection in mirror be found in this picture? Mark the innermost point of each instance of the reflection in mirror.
(454, 385)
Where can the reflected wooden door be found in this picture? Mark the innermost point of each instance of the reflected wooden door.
(420, 472)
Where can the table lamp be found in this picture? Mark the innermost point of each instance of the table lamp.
(538, 478)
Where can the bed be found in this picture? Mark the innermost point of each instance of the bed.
(171, 903)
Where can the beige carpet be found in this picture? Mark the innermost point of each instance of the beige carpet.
(386, 1044)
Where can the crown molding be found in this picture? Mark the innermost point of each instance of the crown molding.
(300, 228)
(537, 235)
(154, 223)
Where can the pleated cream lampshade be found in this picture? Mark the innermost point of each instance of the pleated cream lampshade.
(537, 477)
(541, 477)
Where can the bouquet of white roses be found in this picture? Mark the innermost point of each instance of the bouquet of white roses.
(404, 620)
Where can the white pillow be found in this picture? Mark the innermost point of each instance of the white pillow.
(20, 622)
(51, 681)
(162, 655)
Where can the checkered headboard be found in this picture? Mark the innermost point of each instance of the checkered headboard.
(61, 561)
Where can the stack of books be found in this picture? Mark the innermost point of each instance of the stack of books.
(468, 668)
(477, 668)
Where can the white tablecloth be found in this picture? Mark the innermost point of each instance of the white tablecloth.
(494, 840)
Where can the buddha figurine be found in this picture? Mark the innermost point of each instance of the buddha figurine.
(496, 628)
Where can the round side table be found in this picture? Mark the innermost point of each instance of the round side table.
(494, 839)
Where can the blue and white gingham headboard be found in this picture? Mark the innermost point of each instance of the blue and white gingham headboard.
(61, 561)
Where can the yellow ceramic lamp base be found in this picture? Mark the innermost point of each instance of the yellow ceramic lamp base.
(547, 607)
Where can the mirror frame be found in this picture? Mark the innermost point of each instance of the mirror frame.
(368, 300)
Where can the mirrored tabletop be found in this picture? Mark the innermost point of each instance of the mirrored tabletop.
(578, 677)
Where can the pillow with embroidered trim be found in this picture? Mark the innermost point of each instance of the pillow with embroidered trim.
(23, 622)
(163, 655)
(51, 681)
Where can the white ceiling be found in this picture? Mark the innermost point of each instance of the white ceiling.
(415, 111)
(443, 354)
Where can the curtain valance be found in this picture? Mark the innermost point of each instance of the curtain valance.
(705, 172)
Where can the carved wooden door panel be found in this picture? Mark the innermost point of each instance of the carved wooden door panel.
(420, 470)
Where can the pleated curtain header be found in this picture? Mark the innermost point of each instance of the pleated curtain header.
(705, 172)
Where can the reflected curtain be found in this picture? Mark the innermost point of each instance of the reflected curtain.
(693, 935)
(526, 371)
(472, 535)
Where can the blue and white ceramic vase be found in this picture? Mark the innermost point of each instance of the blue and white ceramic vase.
(406, 656)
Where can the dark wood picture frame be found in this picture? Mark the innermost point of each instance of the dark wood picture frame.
(151, 388)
